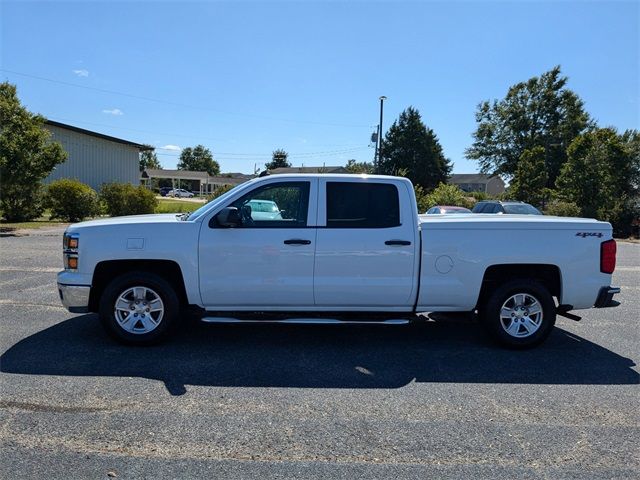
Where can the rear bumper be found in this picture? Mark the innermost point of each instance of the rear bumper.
(605, 297)
(75, 298)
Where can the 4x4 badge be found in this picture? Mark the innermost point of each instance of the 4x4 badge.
(589, 234)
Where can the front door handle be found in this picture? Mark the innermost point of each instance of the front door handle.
(397, 242)
(297, 241)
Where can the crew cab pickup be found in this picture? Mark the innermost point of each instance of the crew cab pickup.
(334, 248)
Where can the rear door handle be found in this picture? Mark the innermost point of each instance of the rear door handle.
(297, 241)
(397, 242)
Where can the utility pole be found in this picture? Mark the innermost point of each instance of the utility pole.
(379, 142)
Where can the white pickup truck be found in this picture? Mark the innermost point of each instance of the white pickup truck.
(334, 248)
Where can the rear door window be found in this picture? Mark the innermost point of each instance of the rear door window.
(362, 205)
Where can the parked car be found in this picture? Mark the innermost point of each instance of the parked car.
(446, 209)
(180, 193)
(164, 191)
(508, 207)
(264, 210)
(349, 248)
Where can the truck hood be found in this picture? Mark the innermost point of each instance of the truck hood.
(131, 219)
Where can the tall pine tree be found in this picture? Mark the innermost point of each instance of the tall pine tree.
(411, 148)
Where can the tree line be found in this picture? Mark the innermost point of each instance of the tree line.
(539, 138)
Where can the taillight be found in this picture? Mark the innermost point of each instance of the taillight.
(608, 256)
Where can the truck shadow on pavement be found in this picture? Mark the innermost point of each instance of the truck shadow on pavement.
(360, 356)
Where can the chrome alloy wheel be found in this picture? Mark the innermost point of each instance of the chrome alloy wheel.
(139, 310)
(521, 315)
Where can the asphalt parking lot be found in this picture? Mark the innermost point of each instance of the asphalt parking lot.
(246, 401)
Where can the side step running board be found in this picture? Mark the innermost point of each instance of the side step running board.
(309, 321)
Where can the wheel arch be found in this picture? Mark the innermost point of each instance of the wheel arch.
(495, 275)
(107, 270)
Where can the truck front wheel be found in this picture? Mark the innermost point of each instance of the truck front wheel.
(519, 313)
(138, 308)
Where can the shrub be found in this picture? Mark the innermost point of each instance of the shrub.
(446, 194)
(562, 209)
(479, 196)
(71, 200)
(125, 199)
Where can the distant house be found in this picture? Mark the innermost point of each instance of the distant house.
(276, 171)
(478, 182)
(94, 158)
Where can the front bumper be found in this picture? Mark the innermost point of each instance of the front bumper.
(75, 298)
(605, 297)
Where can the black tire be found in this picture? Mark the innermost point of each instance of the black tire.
(161, 324)
(499, 326)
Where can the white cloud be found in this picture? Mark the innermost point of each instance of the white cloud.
(81, 72)
(173, 148)
(113, 111)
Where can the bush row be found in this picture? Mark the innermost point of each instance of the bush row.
(71, 200)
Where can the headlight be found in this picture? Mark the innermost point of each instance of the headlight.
(70, 244)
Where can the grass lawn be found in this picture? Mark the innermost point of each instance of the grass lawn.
(176, 206)
(164, 206)
(37, 223)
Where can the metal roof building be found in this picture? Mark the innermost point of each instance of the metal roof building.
(94, 158)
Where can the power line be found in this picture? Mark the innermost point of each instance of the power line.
(178, 104)
(117, 127)
(259, 156)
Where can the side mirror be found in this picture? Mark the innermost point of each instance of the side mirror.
(229, 217)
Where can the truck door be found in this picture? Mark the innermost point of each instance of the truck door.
(268, 261)
(366, 244)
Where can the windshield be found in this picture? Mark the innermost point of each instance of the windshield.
(521, 209)
(207, 206)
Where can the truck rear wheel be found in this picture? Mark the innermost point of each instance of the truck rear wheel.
(519, 314)
(138, 308)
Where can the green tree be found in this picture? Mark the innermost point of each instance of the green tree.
(411, 147)
(279, 159)
(198, 159)
(540, 112)
(354, 166)
(149, 159)
(27, 156)
(530, 180)
(600, 176)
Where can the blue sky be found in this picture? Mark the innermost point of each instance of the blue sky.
(245, 78)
